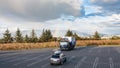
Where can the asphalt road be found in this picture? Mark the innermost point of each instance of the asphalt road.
(81, 57)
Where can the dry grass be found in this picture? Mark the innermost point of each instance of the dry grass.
(97, 42)
(18, 46)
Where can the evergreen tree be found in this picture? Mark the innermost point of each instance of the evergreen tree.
(42, 37)
(69, 33)
(49, 35)
(7, 37)
(97, 36)
(33, 38)
(18, 37)
(1, 41)
(115, 38)
(76, 36)
(26, 39)
(46, 36)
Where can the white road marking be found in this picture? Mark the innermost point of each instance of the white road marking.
(24, 52)
(31, 64)
(111, 62)
(10, 58)
(90, 51)
(108, 51)
(13, 60)
(71, 58)
(8, 54)
(45, 65)
(95, 62)
(24, 61)
(80, 62)
(118, 49)
(59, 67)
(99, 50)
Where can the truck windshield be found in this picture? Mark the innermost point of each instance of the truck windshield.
(63, 43)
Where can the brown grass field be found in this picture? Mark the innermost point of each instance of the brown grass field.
(19, 46)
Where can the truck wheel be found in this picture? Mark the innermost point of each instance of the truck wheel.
(61, 63)
(51, 64)
(61, 49)
(65, 59)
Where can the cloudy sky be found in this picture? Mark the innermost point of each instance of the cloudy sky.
(79, 15)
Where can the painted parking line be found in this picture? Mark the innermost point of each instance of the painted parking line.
(59, 67)
(18, 58)
(44, 66)
(12, 54)
(8, 54)
(80, 62)
(108, 51)
(24, 61)
(99, 51)
(111, 62)
(95, 62)
(31, 64)
(8, 58)
(90, 51)
(71, 58)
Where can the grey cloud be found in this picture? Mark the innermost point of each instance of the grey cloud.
(112, 30)
(115, 26)
(109, 5)
(109, 25)
(39, 10)
(118, 23)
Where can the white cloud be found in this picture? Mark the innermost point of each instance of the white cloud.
(105, 1)
(40, 10)
(91, 24)
(39, 14)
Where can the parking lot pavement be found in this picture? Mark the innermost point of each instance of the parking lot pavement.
(80, 57)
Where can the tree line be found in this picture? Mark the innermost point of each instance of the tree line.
(96, 36)
(46, 36)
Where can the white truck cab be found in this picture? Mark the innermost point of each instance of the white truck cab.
(67, 43)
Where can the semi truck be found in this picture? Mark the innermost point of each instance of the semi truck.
(67, 43)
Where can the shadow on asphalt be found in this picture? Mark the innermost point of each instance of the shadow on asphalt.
(80, 48)
(86, 47)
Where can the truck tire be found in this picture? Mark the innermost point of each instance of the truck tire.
(51, 63)
(65, 59)
(61, 63)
